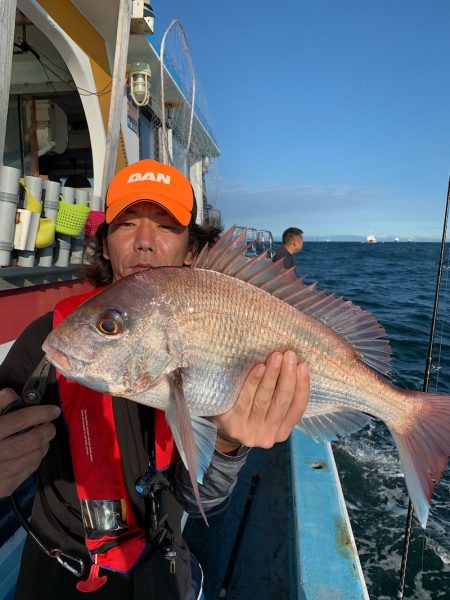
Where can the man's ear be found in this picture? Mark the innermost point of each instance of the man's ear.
(188, 259)
(105, 252)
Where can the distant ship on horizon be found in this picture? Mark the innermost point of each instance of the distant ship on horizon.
(371, 239)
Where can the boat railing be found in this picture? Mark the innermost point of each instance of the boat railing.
(265, 240)
(258, 240)
(326, 557)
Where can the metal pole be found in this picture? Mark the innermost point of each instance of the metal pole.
(117, 92)
(7, 23)
(426, 380)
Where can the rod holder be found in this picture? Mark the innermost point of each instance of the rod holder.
(51, 200)
(9, 198)
(26, 258)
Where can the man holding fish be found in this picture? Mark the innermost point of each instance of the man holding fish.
(110, 476)
(182, 339)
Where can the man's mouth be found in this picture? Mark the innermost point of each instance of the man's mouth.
(140, 267)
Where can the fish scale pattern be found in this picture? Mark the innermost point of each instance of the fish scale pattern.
(227, 326)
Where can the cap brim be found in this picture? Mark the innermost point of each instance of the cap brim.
(178, 212)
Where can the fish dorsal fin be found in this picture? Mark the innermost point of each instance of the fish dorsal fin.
(355, 325)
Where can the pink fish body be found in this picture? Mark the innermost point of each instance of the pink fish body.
(184, 339)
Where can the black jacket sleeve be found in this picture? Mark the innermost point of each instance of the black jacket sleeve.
(25, 354)
(218, 482)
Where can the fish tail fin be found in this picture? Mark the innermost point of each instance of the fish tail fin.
(424, 449)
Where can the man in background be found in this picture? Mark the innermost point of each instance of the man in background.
(292, 243)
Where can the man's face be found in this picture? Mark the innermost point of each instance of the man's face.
(145, 235)
(298, 243)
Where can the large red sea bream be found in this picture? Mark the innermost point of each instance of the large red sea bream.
(183, 340)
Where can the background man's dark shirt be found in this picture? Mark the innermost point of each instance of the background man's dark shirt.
(280, 253)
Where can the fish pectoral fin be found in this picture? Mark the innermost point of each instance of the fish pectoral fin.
(170, 367)
(330, 426)
(195, 437)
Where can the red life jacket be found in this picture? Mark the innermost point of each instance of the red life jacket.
(97, 465)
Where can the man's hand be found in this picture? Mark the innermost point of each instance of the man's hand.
(21, 454)
(272, 400)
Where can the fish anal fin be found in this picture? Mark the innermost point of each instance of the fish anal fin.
(330, 426)
(195, 437)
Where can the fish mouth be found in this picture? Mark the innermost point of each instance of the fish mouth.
(69, 366)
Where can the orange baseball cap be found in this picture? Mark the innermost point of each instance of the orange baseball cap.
(153, 181)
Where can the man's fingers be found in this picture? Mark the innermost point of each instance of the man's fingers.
(243, 405)
(25, 418)
(299, 402)
(17, 446)
(7, 397)
(22, 451)
(266, 388)
(271, 402)
(14, 472)
(284, 391)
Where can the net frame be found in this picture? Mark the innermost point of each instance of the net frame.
(176, 64)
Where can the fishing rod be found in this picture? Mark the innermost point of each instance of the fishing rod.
(426, 380)
(237, 541)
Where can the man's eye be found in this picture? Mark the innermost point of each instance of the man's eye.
(110, 323)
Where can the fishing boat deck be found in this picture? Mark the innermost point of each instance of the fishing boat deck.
(265, 564)
(297, 542)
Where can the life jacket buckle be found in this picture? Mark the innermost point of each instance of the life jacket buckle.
(146, 482)
(63, 560)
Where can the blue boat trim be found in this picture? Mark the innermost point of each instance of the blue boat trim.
(328, 565)
(10, 554)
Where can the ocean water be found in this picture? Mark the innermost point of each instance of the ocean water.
(396, 283)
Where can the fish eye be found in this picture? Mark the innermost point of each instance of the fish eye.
(111, 322)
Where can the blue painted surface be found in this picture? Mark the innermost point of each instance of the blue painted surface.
(328, 566)
(10, 554)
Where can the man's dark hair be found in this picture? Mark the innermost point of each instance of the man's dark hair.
(290, 234)
(98, 270)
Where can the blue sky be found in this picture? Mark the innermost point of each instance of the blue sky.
(331, 115)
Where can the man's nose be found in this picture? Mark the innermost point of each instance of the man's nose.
(145, 236)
